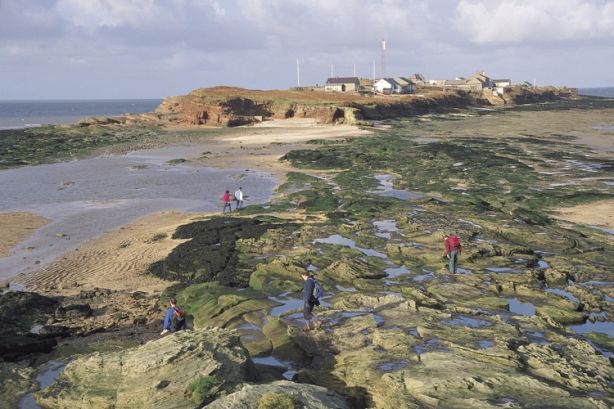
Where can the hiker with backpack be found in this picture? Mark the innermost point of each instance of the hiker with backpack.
(453, 251)
(312, 292)
(174, 320)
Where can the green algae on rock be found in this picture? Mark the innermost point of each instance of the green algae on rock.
(210, 252)
(269, 396)
(154, 375)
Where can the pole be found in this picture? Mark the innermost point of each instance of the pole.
(354, 69)
(383, 64)
(298, 74)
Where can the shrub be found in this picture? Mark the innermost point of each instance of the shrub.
(203, 388)
(276, 401)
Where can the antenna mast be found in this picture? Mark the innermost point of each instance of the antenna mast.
(298, 74)
(383, 62)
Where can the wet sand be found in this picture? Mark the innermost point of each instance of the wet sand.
(15, 227)
(116, 257)
(592, 214)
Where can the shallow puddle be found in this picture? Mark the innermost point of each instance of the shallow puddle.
(602, 327)
(396, 271)
(345, 289)
(386, 189)
(287, 304)
(485, 344)
(465, 321)
(502, 270)
(44, 379)
(289, 372)
(392, 366)
(385, 228)
(563, 293)
(342, 241)
(523, 308)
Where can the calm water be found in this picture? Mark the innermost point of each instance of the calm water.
(20, 114)
(598, 92)
(85, 198)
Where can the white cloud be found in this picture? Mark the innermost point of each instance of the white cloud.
(533, 21)
(93, 14)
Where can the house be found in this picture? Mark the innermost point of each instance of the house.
(500, 85)
(418, 80)
(407, 87)
(479, 81)
(342, 84)
(390, 86)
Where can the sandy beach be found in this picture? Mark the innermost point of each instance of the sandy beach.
(593, 214)
(16, 227)
(118, 259)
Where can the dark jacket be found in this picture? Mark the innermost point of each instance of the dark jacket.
(308, 290)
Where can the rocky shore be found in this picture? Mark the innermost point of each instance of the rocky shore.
(526, 322)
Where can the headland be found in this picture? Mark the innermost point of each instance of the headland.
(365, 204)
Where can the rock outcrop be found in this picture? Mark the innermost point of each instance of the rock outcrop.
(154, 375)
(298, 395)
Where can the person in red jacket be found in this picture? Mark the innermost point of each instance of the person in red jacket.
(453, 250)
(226, 199)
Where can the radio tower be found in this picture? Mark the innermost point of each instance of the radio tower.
(383, 61)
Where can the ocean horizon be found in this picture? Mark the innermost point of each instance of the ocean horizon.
(607, 92)
(17, 114)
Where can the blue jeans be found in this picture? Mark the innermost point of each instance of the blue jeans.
(453, 261)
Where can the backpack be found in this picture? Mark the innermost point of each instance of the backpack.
(454, 242)
(318, 292)
(177, 321)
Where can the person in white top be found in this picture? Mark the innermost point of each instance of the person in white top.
(239, 197)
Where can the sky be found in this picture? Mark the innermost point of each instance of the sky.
(108, 49)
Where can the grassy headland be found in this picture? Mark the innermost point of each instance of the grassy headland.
(369, 214)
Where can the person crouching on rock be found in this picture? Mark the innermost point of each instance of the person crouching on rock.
(312, 291)
(174, 320)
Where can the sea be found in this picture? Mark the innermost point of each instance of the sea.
(24, 114)
(607, 92)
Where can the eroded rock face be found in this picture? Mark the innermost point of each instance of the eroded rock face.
(302, 395)
(155, 375)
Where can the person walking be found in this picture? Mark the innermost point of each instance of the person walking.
(239, 198)
(312, 291)
(226, 199)
(453, 250)
(174, 320)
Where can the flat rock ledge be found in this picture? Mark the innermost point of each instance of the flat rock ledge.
(300, 394)
(154, 375)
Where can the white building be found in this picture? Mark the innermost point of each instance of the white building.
(389, 86)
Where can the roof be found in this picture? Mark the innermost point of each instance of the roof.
(390, 81)
(343, 80)
(455, 82)
(402, 81)
(503, 80)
